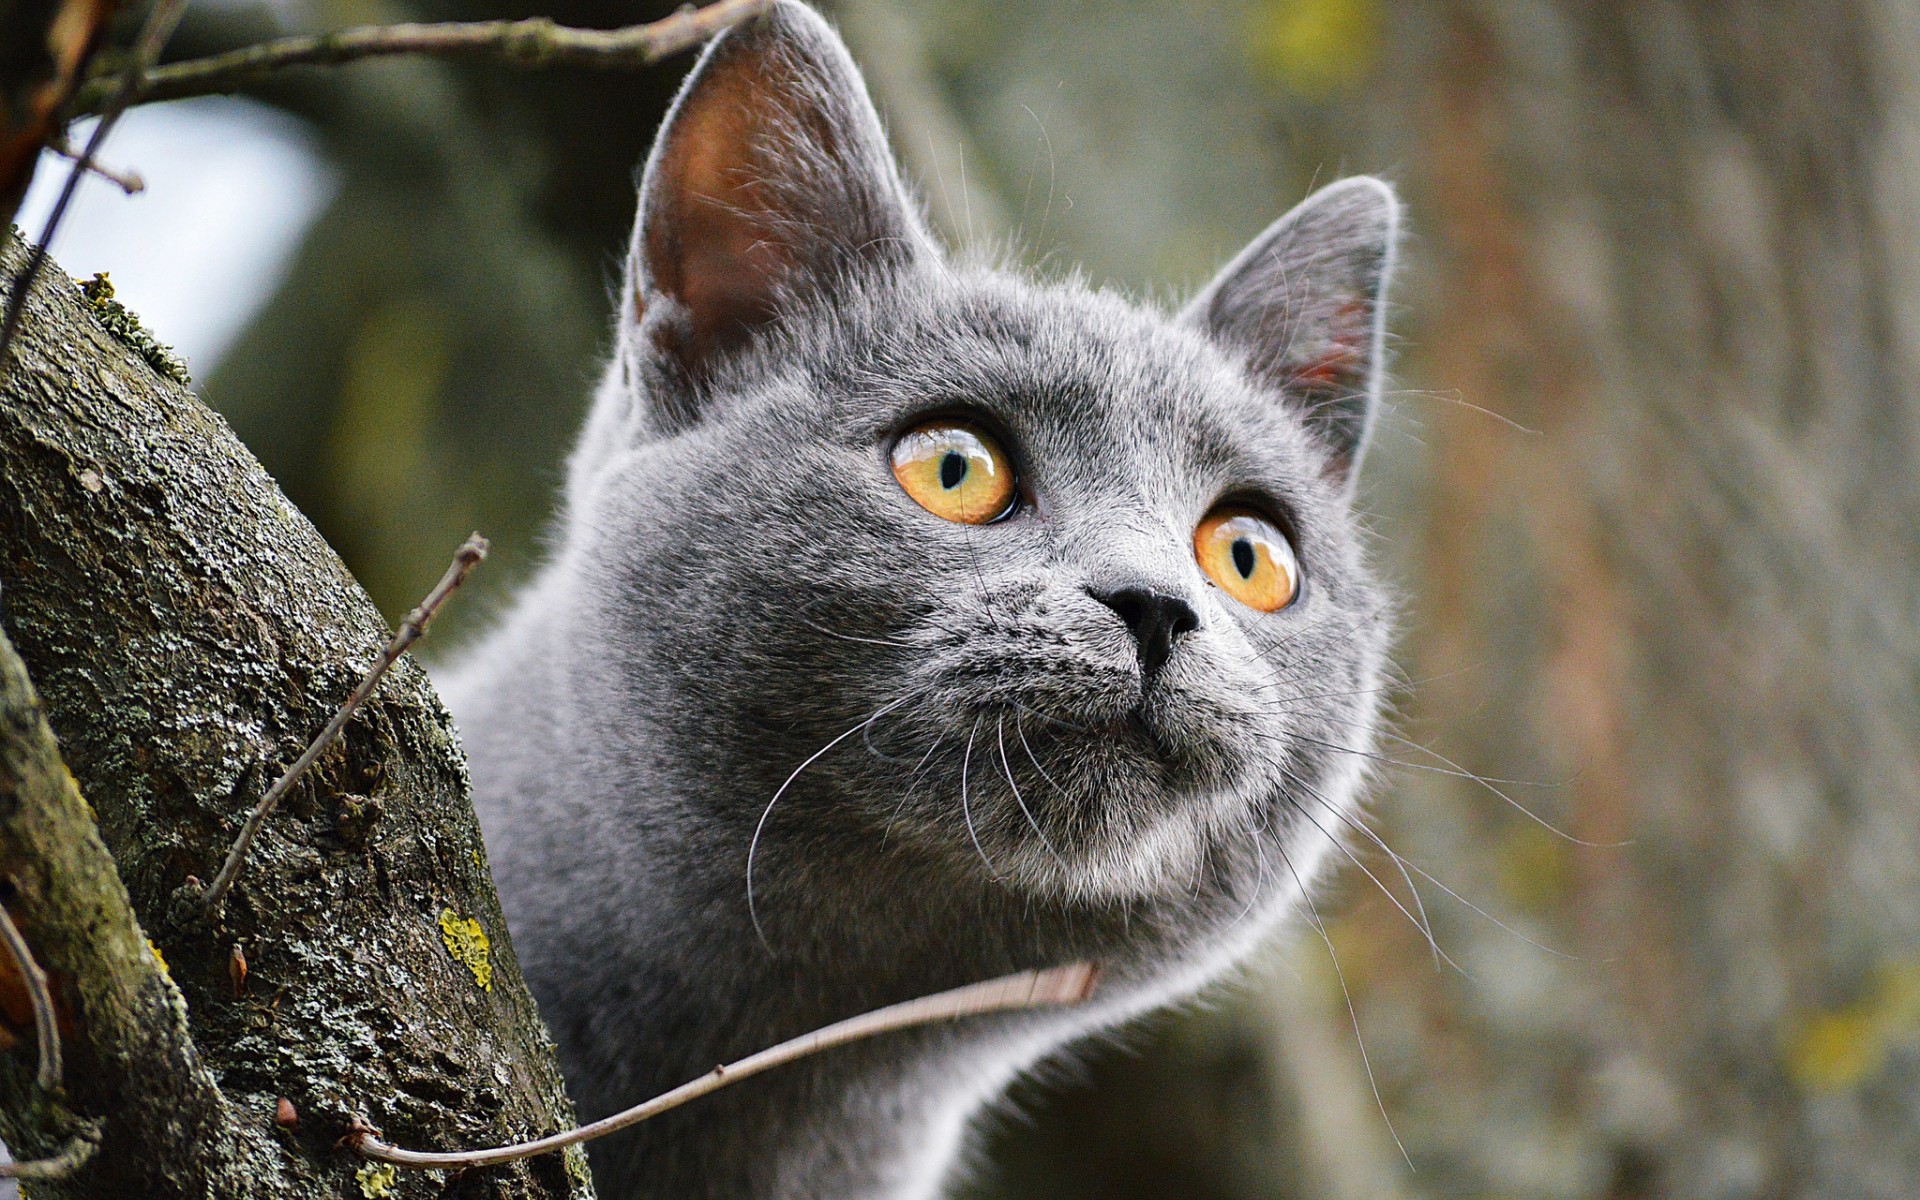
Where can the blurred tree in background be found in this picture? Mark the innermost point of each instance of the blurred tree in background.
(1672, 587)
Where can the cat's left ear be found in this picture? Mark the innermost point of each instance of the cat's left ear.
(771, 180)
(1304, 306)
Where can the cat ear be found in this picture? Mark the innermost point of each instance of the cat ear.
(1305, 306)
(770, 178)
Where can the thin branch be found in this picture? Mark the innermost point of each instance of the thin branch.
(146, 51)
(1029, 989)
(534, 42)
(129, 182)
(44, 1026)
(78, 1151)
(464, 560)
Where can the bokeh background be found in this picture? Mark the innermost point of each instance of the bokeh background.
(1647, 482)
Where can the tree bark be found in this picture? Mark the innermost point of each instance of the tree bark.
(189, 632)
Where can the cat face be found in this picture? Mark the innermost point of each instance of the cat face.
(1020, 582)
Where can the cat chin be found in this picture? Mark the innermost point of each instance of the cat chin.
(1159, 845)
(1152, 851)
(1158, 857)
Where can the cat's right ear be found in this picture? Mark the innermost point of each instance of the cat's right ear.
(770, 180)
(1304, 306)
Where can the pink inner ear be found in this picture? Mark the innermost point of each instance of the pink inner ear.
(713, 244)
(1340, 355)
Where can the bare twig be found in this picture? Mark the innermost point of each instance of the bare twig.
(78, 1151)
(127, 181)
(534, 42)
(464, 560)
(44, 1026)
(146, 51)
(1029, 989)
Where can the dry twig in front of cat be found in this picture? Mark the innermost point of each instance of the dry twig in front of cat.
(1071, 984)
(464, 560)
(34, 980)
(77, 1152)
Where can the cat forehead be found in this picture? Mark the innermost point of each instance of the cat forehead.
(1054, 358)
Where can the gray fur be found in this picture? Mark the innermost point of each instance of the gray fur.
(742, 605)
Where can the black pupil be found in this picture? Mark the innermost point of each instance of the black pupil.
(1243, 560)
(953, 468)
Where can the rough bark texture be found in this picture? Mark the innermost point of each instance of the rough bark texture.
(188, 632)
(123, 1023)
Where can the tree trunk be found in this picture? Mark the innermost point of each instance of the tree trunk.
(1677, 240)
(189, 632)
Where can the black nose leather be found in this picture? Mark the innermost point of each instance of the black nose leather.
(1156, 619)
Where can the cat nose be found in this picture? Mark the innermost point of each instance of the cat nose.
(1156, 619)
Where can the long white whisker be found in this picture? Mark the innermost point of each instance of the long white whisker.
(1457, 771)
(1407, 864)
(966, 812)
(913, 781)
(753, 845)
(1400, 864)
(1425, 931)
(1022, 734)
(1353, 1014)
(1000, 736)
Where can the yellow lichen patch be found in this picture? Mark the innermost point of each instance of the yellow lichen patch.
(375, 1180)
(1841, 1048)
(468, 944)
(1315, 47)
(159, 957)
(1831, 1051)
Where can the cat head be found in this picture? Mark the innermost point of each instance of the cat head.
(1018, 583)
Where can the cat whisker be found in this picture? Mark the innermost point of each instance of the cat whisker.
(753, 845)
(1346, 993)
(913, 782)
(979, 578)
(1006, 768)
(1025, 745)
(966, 811)
(893, 643)
(1378, 613)
(897, 643)
(1296, 698)
(1047, 211)
(1455, 770)
(1419, 922)
(1408, 865)
(1358, 824)
(1257, 831)
(1049, 718)
(1410, 744)
(866, 740)
(1399, 685)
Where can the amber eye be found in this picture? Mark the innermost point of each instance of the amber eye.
(955, 471)
(1249, 557)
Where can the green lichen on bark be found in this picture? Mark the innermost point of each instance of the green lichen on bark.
(124, 1025)
(121, 323)
(189, 631)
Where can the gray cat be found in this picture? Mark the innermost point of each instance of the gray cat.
(910, 624)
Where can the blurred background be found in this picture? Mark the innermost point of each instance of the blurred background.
(1647, 481)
